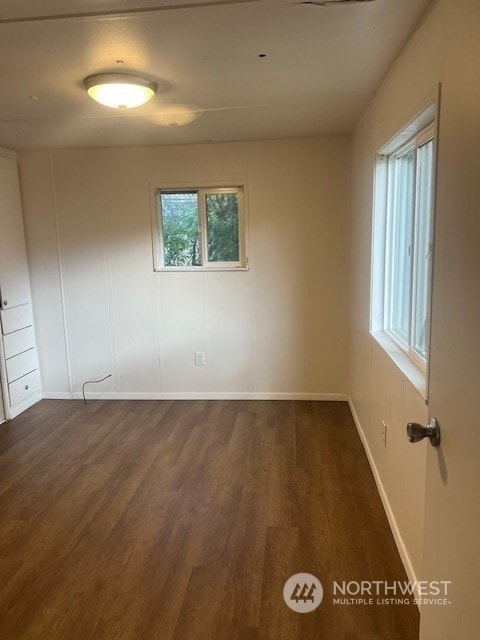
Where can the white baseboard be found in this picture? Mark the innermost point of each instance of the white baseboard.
(194, 395)
(402, 550)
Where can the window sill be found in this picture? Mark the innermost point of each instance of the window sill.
(414, 374)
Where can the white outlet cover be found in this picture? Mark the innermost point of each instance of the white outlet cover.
(199, 358)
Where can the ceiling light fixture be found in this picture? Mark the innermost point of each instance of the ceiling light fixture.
(120, 90)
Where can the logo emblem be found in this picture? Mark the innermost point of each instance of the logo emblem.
(303, 592)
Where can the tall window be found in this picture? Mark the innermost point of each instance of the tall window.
(404, 179)
(201, 227)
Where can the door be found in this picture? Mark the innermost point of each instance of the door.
(14, 281)
(452, 511)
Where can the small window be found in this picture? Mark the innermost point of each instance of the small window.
(403, 243)
(200, 228)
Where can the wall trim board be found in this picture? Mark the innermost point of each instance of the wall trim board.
(402, 550)
(194, 395)
(61, 273)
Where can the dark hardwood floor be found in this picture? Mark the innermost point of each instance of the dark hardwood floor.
(172, 520)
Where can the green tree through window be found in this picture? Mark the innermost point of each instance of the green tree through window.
(222, 227)
(181, 244)
(201, 227)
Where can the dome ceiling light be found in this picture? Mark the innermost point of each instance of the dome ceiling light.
(120, 90)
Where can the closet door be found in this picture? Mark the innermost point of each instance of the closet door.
(14, 281)
(19, 375)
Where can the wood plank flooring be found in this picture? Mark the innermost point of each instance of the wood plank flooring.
(178, 520)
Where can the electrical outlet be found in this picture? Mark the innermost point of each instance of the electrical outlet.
(384, 433)
(199, 357)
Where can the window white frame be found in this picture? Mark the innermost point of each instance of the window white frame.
(419, 132)
(202, 189)
(413, 145)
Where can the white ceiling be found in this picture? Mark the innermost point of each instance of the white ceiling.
(322, 67)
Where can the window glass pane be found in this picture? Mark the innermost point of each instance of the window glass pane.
(400, 239)
(222, 227)
(401, 231)
(422, 247)
(181, 244)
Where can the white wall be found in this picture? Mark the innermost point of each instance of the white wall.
(377, 388)
(279, 328)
